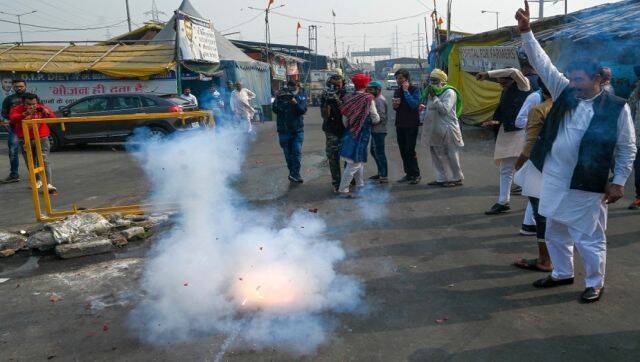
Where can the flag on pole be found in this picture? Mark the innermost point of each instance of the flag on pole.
(333, 13)
(270, 3)
(298, 27)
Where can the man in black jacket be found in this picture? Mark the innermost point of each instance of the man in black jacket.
(19, 88)
(290, 106)
(332, 125)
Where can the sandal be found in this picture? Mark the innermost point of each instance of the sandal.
(530, 264)
(436, 183)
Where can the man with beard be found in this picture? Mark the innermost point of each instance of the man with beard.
(13, 142)
(586, 132)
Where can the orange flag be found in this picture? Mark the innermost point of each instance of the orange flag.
(298, 27)
(270, 3)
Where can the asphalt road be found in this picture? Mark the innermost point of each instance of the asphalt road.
(436, 270)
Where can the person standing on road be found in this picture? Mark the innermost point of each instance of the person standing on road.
(290, 106)
(188, 96)
(332, 125)
(510, 140)
(530, 179)
(406, 102)
(587, 131)
(379, 133)
(359, 110)
(241, 105)
(444, 106)
(13, 143)
(31, 108)
(634, 105)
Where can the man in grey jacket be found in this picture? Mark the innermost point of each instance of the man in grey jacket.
(379, 133)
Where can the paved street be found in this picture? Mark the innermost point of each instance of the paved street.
(439, 285)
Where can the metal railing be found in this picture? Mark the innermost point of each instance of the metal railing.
(34, 124)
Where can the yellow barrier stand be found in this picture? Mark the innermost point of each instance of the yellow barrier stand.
(50, 213)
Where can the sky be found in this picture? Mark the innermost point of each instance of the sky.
(231, 16)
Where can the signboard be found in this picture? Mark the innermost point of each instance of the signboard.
(56, 90)
(482, 59)
(373, 52)
(292, 68)
(279, 69)
(197, 40)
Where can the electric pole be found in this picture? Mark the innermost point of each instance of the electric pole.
(267, 29)
(335, 43)
(19, 21)
(126, 3)
(155, 13)
(449, 20)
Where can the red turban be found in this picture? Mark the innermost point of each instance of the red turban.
(360, 80)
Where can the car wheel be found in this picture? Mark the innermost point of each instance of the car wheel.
(54, 142)
(158, 132)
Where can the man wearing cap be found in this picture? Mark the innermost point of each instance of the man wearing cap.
(379, 133)
(444, 106)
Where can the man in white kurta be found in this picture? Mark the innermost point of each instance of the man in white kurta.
(443, 132)
(574, 217)
(241, 105)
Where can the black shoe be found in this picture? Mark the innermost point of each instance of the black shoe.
(415, 180)
(11, 179)
(591, 295)
(375, 177)
(549, 282)
(436, 183)
(528, 230)
(498, 209)
(404, 180)
(296, 179)
(516, 190)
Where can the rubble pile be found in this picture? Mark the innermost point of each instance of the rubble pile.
(83, 234)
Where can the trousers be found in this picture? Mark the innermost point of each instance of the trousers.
(407, 138)
(529, 218)
(46, 147)
(636, 167)
(333, 146)
(352, 170)
(378, 153)
(507, 170)
(13, 143)
(540, 221)
(561, 240)
(446, 161)
(291, 144)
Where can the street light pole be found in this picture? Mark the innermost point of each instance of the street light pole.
(497, 16)
(126, 2)
(19, 21)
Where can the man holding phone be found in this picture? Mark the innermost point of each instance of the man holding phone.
(406, 102)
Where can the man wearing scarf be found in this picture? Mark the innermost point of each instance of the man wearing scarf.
(444, 106)
(586, 132)
(360, 114)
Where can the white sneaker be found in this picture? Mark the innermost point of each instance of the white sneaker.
(52, 188)
(38, 185)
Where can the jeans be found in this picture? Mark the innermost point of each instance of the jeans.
(333, 147)
(13, 143)
(46, 147)
(377, 151)
(541, 221)
(291, 144)
(407, 139)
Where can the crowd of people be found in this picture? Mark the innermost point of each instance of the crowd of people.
(565, 139)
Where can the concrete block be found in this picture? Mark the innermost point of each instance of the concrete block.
(41, 240)
(134, 232)
(12, 241)
(85, 248)
(118, 240)
(7, 253)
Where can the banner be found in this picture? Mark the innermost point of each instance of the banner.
(482, 59)
(57, 90)
(197, 40)
(279, 69)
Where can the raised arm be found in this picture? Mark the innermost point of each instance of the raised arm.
(555, 81)
(521, 81)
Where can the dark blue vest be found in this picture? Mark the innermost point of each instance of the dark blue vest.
(596, 154)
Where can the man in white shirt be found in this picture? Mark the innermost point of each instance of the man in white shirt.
(188, 96)
(241, 105)
(587, 131)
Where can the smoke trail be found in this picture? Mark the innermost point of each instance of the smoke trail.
(372, 202)
(226, 267)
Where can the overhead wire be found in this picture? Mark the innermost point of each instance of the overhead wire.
(243, 23)
(58, 28)
(348, 23)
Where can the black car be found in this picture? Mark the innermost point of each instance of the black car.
(119, 131)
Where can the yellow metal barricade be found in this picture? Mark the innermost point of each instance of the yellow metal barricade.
(34, 124)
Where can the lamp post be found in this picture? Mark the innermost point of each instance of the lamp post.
(497, 16)
(19, 22)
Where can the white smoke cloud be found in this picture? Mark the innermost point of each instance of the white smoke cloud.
(372, 202)
(228, 268)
